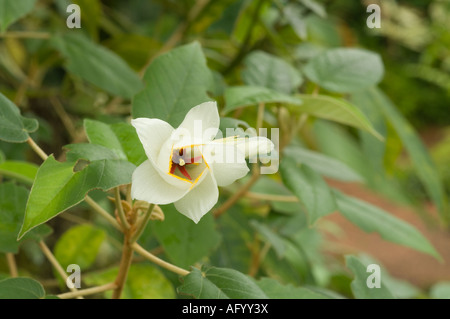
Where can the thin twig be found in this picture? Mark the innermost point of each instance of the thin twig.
(142, 224)
(88, 291)
(102, 212)
(52, 259)
(233, 199)
(12, 265)
(37, 149)
(158, 261)
(65, 118)
(25, 35)
(120, 212)
(260, 116)
(271, 197)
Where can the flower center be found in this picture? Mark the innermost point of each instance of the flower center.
(187, 163)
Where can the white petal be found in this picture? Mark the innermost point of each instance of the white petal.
(250, 146)
(200, 199)
(200, 124)
(153, 133)
(227, 162)
(148, 185)
(255, 145)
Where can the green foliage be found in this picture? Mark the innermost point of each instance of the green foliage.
(336, 110)
(21, 171)
(219, 283)
(275, 290)
(79, 245)
(360, 288)
(21, 288)
(345, 70)
(144, 282)
(185, 242)
(58, 187)
(263, 69)
(371, 218)
(311, 69)
(309, 187)
(97, 65)
(11, 11)
(13, 199)
(175, 82)
(240, 96)
(14, 128)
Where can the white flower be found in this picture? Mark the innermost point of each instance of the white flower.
(186, 165)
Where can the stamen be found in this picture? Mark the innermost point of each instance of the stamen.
(181, 162)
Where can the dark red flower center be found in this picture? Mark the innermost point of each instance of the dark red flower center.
(181, 160)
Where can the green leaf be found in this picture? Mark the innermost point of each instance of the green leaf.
(18, 170)
(399, 288)
(373, 149)
(323, 164)
(143, 282)
(293, 268)
(373, 219)
(276, 242)
(336, 142)
(90, 152)
(120, 139)
(219, 283)
(333, 109)
(345, 70)
(183, 241)
(97, 65)
(264, 69)
(129, 140)
(13, 199)
(57, 187)
(440, 290)
(232, 251)
(295, 17)
(175, 82)
(79, 245)
(276, 290)
(21, 288)
(315, 7)
(418, 153)
(240, 96)
(266, 185)
(11, 11)
(309, 187)
(359, 284)
(14, 128)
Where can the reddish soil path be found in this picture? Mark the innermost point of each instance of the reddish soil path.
(401, 262)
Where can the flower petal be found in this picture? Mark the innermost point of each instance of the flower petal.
(200, 199)
(148, 185)
(227, 162)
(255, 145)
(250, 146)
(200, 124)
(153, 133)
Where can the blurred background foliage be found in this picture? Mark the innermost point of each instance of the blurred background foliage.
(414, 43)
